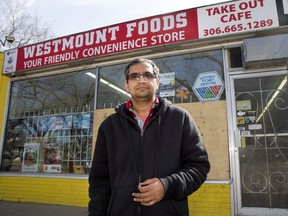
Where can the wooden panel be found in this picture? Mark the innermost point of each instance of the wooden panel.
(211, 119)
(99, 116)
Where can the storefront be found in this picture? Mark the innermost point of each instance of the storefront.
(226, 64)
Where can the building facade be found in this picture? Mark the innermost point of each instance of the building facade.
(225, 63)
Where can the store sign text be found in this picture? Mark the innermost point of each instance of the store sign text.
(123, 37)
(196, 23)
(229, 13)
(236, 17)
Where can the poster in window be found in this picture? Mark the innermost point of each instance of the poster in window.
(240, 120)
(56, 122)
(68, 122)
(16, 138)
(43, 124)
(59, 122)
(250, 119)
(167, 84)
(52, 157)
(85, 120)
(77, 121)
(30, 157)
(243, 105)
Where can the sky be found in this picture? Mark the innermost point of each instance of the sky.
(67, 17)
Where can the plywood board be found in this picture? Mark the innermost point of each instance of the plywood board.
(211, 119)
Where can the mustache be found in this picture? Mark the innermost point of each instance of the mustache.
(141, 86)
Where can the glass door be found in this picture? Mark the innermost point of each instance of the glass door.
(260, 121)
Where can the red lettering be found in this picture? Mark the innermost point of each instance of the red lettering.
(221, 10)
(236, 17)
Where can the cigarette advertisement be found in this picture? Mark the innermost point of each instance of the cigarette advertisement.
(30, 157)
(52, 157)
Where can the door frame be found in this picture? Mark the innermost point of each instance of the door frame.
(235, 188)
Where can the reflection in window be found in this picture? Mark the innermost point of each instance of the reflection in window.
(185, 67)
(111, 87)
(49, 125)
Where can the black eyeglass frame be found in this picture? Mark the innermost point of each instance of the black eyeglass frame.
(146, 76)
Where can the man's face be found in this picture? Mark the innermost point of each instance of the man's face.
(142, 83)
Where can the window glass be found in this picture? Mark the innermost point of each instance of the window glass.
(235, 57)
(111, 87)
(191, 71)
(178, 88)
(49, 125)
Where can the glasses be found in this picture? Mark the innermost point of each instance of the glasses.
(145, 75)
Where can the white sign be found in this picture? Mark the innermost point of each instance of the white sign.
(10, 61)
(167, 84)
(52, 168)
(30, 157)
(255, 127)
(243, 105)
(237, 17)
(208, 86)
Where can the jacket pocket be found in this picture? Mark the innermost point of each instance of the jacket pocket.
(121, 202)
(167, 208)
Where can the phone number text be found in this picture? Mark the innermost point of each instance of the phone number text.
(238, 27)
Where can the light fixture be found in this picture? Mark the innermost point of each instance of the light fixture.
(109, 84)
(273, 97)
(9, 38)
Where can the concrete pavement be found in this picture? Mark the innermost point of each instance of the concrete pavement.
(35, 209)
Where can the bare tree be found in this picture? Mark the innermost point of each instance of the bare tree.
(18, 22)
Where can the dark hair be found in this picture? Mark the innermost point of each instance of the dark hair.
(141, 60)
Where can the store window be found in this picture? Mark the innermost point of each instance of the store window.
(49, 124)
(111, 87)
(182, 73)
(235, 57)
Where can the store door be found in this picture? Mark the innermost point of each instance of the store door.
(260, 119)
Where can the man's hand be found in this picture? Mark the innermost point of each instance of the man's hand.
(150, 192)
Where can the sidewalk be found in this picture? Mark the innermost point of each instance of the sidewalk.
(35, 209)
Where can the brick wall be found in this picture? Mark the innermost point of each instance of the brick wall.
(210, 199)
(71, 192)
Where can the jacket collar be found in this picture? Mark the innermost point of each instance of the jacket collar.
(129, 104)
(159, 109)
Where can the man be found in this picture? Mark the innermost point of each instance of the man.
(149, 155)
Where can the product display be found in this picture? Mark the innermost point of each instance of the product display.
(50, 143)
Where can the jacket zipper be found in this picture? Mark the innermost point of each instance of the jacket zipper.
(141, 150)
(139, 206)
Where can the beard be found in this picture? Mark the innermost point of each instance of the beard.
(146, 95)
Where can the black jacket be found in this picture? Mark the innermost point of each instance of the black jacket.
(169, 148)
